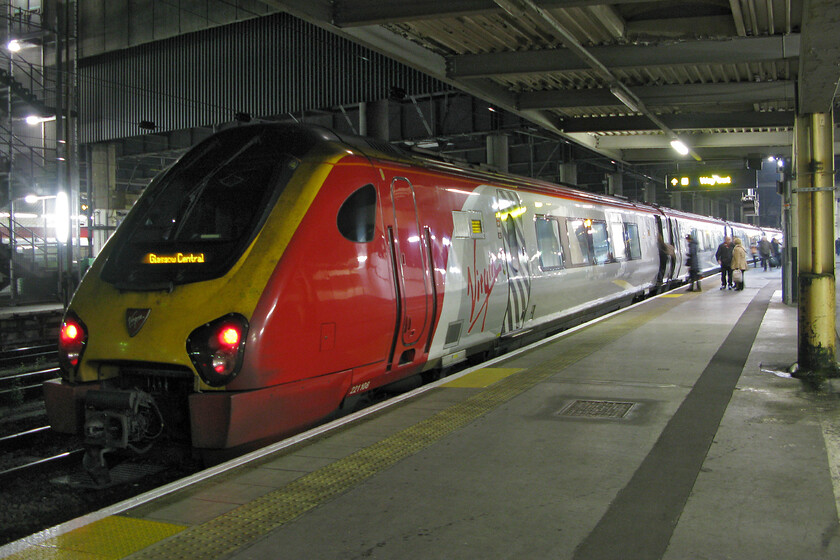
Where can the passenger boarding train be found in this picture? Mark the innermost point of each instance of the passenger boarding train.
(276, 271)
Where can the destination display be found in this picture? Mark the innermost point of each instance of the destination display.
(706, 180)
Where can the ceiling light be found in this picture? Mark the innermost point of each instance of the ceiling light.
(679, 146)
(14, 45)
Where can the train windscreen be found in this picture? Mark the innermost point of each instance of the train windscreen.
(196, 220)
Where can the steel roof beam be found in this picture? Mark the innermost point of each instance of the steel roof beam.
(727, 51)
(358, 13)
(693, 121)
(691, 94)
(734, 139)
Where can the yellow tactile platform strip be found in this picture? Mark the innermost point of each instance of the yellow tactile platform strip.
(481, 378)
(107, 539)
(245, 524)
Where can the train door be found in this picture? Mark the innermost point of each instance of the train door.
(509, 218)
(666, 258)
(675, 233)
(413, 279)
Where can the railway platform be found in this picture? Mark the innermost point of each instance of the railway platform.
(25, 325)
(669, 430)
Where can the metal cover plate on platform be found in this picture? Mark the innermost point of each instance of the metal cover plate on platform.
(596, 409)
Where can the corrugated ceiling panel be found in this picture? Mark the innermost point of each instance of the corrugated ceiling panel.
(268, 66)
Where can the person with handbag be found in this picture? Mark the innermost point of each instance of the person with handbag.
(739, 263)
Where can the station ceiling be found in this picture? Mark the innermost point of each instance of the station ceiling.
(621, 77)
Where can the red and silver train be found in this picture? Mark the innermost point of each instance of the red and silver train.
(278, 270)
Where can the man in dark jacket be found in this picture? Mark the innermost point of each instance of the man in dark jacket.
(724, 258)
(693, 263)
(764, 252)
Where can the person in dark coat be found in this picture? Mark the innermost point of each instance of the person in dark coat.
(764, 252)
(723, 255)
(776, 251)
(693, 264)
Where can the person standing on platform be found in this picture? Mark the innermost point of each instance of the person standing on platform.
(693, 264)
(776, 251)
(764, 251)
(837, 246)
(724, 259)
(739, 263)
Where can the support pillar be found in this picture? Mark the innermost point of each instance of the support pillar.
(568, 173)
(676, 200)
(649, 192)
(815, 198)
(498, 154)
(615, 184)
(377, 120)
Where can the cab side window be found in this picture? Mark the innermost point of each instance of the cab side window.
(357, 215)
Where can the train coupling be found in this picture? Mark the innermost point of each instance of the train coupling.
(117, 420)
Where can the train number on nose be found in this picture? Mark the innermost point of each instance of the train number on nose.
(359, 388)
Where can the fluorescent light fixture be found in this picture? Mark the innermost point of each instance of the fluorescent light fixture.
(679, 147)
(35, 119)
(625, 97)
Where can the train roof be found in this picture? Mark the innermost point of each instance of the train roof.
(380, 150)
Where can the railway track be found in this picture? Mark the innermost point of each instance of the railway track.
(28, 356)
(16, 388)
(18, 462)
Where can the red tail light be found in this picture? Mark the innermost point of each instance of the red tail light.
(72, 339)
(216, 348)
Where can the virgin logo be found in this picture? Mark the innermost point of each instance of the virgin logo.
(479, 287)
(135, 319)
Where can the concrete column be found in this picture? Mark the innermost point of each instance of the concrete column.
(615, 184)
(498, 154)
(815, 198)
(377, 120)
(696, 203)
(568, 173)
(676, 200)
(649, 192)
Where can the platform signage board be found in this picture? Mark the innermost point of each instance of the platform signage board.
(711, 180)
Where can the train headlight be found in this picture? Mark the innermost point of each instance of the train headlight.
(72, 339)
(216, 348)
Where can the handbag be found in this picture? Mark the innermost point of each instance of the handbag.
(737, 275)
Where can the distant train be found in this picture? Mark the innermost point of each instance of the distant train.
(277, 270)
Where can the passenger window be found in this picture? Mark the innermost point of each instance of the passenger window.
(619, 248)
(579, 251)
(548, 244)
(634, 246)
(601, 243)
(357, 216)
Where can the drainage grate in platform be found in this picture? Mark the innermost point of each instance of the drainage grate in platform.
(597, 409)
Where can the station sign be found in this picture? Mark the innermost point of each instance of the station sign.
(708, 180)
